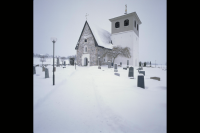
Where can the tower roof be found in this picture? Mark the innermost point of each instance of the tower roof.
(126, 15)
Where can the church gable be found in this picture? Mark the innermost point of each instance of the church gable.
(86, 46)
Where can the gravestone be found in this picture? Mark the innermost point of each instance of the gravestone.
(64, 63)
(112, 64)
(34, 72)
(127, 63)
(115, 68)
(125, 68)
(46, 73)
(131, 72)
(117, 74)
(156, 78)
(140, 81)
(120, 63)
(58, 64)
(142, 72)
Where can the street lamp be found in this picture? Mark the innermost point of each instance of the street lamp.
(53, 39)
(99, 67)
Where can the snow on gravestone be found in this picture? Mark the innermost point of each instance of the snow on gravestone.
(115, 68)
(142, 72)
(131, 72)
(46, 73)
(140, 81)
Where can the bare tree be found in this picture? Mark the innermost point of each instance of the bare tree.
(118, 51)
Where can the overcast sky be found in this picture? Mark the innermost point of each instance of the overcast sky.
(64, 19)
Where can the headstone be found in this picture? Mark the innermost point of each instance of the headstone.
(46, 73)
(142, 72)
(156, 78)
(125, 68)
(64, 63)
(34, 72)
(58, 64)
(140, 81)
(115, 68)
(117, 74)
(131, 72)
(112, 64)
(120, 63)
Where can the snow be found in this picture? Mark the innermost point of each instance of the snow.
(91, 100)
(102, 36)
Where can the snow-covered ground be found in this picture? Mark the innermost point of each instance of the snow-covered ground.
(92, 100)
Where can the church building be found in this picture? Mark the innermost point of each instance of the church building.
(94, 41)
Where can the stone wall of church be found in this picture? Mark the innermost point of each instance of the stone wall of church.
(91, 49)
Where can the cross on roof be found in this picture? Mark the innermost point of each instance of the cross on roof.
(86, 15)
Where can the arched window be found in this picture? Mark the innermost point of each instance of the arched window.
(135, 24)
(85, 49)
(126, 22)
(85, 40)
(117, 25)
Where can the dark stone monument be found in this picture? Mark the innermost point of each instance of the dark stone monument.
(34, 72)
(131, 72)
(117, 74)
(115, 68)
(120, 63)
(156, 78)
(142, 72)
(58, 64)
(140, 81)
(125, 68)
(46, 73)
(64, 63)
(112, 64)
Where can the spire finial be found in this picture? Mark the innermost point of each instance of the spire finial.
(86, 15)
(125, 9)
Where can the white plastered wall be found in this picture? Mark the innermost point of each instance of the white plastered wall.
(87, 56)
(128, 39)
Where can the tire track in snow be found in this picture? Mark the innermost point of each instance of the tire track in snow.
(115, 122)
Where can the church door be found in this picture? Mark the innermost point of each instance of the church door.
(85, 61)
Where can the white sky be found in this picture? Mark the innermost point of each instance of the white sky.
(65, 19)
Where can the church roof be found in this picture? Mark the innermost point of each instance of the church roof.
(102, 37)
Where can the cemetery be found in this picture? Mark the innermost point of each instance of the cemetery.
(99, 97)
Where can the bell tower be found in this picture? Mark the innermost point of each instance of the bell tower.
(125, 32)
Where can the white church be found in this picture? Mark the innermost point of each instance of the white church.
(93, 41)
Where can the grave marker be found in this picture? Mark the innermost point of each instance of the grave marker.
(115, 68)
(46, 73)
(131, 72)
(140, 81)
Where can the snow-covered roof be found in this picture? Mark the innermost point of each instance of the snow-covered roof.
(102, 36)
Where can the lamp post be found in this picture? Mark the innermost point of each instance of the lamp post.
(53, 39)
(99, 67)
